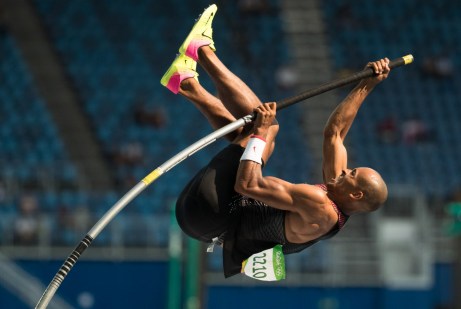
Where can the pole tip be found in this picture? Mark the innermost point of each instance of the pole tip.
(408, 59)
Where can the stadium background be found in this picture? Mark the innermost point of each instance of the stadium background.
(83, 118)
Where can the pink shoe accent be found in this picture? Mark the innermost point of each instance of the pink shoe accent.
(175, 81)
(194, 45)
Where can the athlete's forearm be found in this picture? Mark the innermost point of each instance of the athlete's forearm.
(249, 177)
(270, 190)
(343, 116)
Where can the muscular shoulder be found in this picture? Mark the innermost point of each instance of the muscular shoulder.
(311, 194)
(313, 216)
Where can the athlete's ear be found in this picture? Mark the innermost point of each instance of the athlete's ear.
(356, 195)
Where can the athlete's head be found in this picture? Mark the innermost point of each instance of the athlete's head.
(358, 190)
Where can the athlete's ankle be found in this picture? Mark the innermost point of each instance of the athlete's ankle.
(194, 49)
(187, 84)
(202, 52)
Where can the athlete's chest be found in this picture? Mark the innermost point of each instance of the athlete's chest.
(310, 224)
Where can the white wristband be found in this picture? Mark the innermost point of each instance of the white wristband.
(254, 149)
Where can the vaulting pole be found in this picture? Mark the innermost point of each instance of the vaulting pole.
(189, 151)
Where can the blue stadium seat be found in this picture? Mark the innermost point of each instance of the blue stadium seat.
(430, 31)
(115, 55)
(30, 141)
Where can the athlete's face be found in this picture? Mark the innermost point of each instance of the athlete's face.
(346, 179)
(356, 184)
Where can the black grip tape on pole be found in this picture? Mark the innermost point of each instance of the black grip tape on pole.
(368, 72)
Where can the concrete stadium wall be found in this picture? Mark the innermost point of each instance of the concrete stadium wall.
(144, 285)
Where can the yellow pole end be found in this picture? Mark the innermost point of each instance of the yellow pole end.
(408, 59)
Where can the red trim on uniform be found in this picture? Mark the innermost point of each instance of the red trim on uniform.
(342, 217)
(258, 136)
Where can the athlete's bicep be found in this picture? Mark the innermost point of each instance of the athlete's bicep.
(282, 194)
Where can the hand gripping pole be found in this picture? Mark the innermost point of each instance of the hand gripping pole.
(184, 154)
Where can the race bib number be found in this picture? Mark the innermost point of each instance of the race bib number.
(268, 265)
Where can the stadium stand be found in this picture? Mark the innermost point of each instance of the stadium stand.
(114, 55)
(32, 154)
(30, 141)
(423, 108)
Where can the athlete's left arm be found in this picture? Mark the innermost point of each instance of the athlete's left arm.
(340, 121)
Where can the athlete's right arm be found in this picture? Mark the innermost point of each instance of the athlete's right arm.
(274, 191)
(270, 190)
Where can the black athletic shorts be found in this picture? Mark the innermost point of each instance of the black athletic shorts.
(203, 209)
